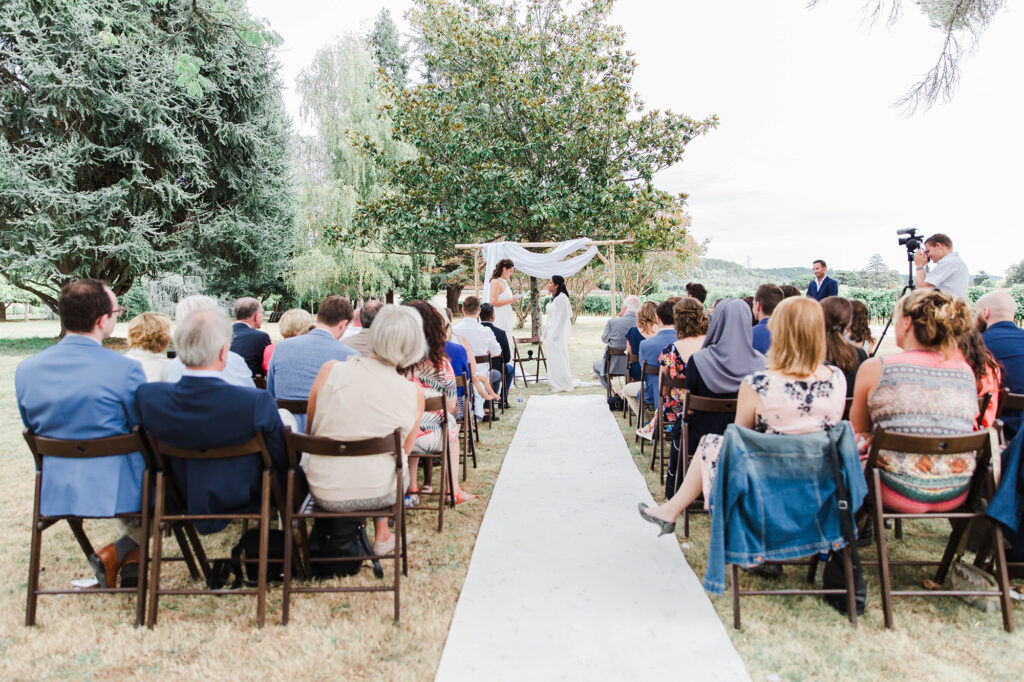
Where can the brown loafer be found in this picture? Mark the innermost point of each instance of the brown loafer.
(106, 565)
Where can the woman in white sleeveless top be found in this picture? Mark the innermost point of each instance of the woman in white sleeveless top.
(501, 296)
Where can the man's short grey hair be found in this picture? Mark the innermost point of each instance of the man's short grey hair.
(632, 303)
(396, 337)
(200, 336)
(368, 312)
(246, 307)
(192, 303)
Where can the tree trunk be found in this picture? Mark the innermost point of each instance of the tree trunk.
(535, 311)
(452, 293)
(3, 311)
(390, 298)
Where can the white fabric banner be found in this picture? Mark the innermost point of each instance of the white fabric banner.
(543, 265)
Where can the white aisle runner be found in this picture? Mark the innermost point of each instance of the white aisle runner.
(566, 581)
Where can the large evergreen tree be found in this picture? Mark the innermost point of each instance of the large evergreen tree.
(139, 137)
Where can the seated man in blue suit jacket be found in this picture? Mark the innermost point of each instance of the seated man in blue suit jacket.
(766, 298)
(822, 286)
(202, 410)
(248, 340)
(995, 313)
(652, 347)
(79, 390)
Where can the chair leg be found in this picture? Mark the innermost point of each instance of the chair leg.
(851, 585)
(405, 544)
(883, 551)
(186, 551)
(146, 521)
(444, 480)
(735, 596)
(289, 525)
(812, 570)
(33, 567)
(960, 528)
(1002, 576)
(399, 550)
(158, 537)
(261, 565)
(898, 527)
(83, 539)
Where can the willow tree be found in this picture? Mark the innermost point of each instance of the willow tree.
(529, 129)
(140, 137)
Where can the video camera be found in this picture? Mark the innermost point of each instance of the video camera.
(909, 237)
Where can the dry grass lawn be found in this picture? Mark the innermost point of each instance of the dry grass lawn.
(352, 636)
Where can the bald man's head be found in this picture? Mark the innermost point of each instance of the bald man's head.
(996, 306)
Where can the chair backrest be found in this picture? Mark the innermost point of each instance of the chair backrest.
(260, 381)
(293, 406)
(111, 446)
(436, 404)
(254, 446)
(460, 381)
(983, 403)
(614, 352)
(390, 444)
(535, 340)
(697, 403)
(882, 439)
(1009, 401)
(668, 384)
(483, 359)
(633, 359)
(846, 408)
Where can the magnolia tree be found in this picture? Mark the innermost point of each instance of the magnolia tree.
(527, 128)
(139, 138)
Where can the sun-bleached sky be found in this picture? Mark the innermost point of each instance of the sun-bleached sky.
(811, 160)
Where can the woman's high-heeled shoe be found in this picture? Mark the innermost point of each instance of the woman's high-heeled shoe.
(665, 526)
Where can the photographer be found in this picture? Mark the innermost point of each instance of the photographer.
(949, 273)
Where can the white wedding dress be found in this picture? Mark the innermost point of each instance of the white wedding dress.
(504, 316)
(556, 343)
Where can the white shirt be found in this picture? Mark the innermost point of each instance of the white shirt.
(480, 338)
(236, 372)
(949, 275)
(153, 364)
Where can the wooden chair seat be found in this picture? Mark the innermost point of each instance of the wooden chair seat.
(520, 361)
(693, 403)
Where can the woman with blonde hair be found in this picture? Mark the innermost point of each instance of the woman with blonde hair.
(646, 326)
(797, 393)
(294, 322)
(927, 390)
(149, 334)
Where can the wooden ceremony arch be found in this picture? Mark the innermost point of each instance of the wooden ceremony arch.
(609, 260)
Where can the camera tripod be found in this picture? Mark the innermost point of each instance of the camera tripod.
(909, 286)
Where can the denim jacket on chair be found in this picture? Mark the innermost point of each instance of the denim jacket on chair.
(774, 498)
(1007, 505)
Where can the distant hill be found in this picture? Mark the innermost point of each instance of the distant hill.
(715, 273)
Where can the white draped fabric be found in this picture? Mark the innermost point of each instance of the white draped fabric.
(556, 343)
(543, 265)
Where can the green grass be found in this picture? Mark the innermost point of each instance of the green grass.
(25, 346)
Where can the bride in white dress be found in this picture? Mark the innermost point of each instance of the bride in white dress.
(501, 297)
(556, 336)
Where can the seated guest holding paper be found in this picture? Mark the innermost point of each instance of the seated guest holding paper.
(248, 341)
(797, 393)
(79, 390)
(359, 340)
(647, 325)
(691, 327)
(297, 361)
(650, 354)
(434, 374)
(840, 351)
(149, 334)
(502, 363)
(766, 298)
(202, 410)
(994, 315)
(614, 336)
(236, 372)
(294, 322)
(927, 390)
(364, 398)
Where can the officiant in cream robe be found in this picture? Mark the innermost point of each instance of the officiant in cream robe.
(556, 336)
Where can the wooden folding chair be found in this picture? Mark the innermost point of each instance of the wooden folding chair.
(293, 406)
(846, 409)
(982, 486)
(86, 449)
(468, 448)
(610, 353)
(631, 359)
(489, 411)
(666, 385)
(646, 372)
(260, 381)
(447, 477)
(1007, 401)
(693, 403)
(519, 361)
(270, 497)
(297, 511)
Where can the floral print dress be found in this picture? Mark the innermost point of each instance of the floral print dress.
(675, 367)
(790, 406)
(433, 424)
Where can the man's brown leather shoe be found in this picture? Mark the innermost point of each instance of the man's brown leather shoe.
(106, 565)
(130, 569)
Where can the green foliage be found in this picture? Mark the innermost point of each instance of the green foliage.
(530, 130)
(389, 54)
(135, 302)
(140, 137)
(1014, 274)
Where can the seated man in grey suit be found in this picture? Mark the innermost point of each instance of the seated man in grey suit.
(614, 336)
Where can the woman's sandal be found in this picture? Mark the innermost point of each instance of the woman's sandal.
(463, 496)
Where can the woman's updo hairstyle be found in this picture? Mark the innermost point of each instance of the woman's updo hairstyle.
(938, 318)
(690, 318)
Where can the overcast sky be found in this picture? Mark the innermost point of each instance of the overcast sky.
(810, 159)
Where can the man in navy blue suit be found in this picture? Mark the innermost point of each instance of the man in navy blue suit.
(822, 286)
(202, 410)
(995, 313)
(504, 362)
(248, 340)
(79, 390)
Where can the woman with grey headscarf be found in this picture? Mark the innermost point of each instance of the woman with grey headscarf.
(716, 371)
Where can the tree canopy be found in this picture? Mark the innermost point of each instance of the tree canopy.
(529, 129)
(140, 137)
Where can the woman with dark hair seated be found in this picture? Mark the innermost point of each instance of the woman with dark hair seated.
(929, 390)
(859, 330)
(987, 373)
(798, 393)
(839, 351)
(435, 375)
